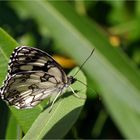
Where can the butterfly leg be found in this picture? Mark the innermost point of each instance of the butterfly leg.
(55, 100)
(75, 94)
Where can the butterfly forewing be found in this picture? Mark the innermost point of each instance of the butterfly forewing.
(32, 59)
(33, 76)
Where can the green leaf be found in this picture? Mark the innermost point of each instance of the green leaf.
(117, 78)
(26, 117)
(13, 129)
(127, 119)
(7, 44)
(56, 124)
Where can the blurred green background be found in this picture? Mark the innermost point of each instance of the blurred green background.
(70, 30)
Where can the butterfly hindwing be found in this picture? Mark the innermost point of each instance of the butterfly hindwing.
(27, 89)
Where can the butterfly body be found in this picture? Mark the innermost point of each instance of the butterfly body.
(33, 75)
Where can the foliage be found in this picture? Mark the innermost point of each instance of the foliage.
(73, 29)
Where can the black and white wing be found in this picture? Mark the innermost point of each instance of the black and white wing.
(26, 90)
(31, 59)
(33, 75)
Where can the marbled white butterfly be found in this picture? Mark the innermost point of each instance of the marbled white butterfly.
(33, 75)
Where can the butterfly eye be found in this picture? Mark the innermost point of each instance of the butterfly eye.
(71, 79)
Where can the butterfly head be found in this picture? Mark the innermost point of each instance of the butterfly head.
(71, 80)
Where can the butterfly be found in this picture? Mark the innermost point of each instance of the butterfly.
(33, 75)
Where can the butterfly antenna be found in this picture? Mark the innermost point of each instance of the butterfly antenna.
(84, 84)
(84, 62)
